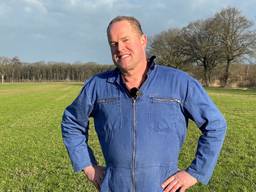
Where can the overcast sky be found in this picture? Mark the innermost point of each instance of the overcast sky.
(75, 30)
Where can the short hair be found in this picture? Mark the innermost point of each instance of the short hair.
(132, 20)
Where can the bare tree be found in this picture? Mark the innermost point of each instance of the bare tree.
(4, 61)
(201, 46)
(235, 37)
(16, 66)
(166, 48)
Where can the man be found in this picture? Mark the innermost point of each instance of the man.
(141, 112)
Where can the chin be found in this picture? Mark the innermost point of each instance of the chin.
(123, 67)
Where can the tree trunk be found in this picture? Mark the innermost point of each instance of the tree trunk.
(226, 73)
(2, 79)
(206, 75)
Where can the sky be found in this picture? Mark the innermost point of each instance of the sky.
(75, 30)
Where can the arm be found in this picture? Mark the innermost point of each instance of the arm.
(74, 125)
(200, 108)
(213, 126)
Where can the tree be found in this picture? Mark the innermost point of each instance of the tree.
(4, 62)
(166, 49)
(235, 37)
(16, 69)
(200, 45)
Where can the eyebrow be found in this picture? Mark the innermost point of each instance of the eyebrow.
(125, 37)
(122, 38)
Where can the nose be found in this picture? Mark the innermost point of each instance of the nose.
(120, 46)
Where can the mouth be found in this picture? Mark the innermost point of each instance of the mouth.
(122, 57)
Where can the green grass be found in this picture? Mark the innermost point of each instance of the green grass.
(33, 157)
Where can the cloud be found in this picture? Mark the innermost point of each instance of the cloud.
(4, 9)
(35, 4)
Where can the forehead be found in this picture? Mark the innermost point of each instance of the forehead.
(121, 28)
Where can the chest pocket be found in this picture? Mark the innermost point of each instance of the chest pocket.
(164, 113)
(108, 115)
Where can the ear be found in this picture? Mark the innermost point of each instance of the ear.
(144, 40)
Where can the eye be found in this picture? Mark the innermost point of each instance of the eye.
(113, 44)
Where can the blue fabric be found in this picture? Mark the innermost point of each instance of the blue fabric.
(141, 139)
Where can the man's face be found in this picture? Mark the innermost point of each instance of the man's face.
(127, 46)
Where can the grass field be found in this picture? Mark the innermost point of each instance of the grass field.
(33, 157)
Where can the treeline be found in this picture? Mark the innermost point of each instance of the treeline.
(13, 70)
(209, 46)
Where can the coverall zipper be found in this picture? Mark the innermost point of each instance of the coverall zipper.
(133, 145)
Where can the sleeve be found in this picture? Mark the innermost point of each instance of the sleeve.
(74, 126)
(213, 127)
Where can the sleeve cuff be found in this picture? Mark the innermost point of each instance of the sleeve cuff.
(201, 178)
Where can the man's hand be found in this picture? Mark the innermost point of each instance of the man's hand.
(95, 174)
(182, 180)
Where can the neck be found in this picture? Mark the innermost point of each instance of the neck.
(134, 78)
